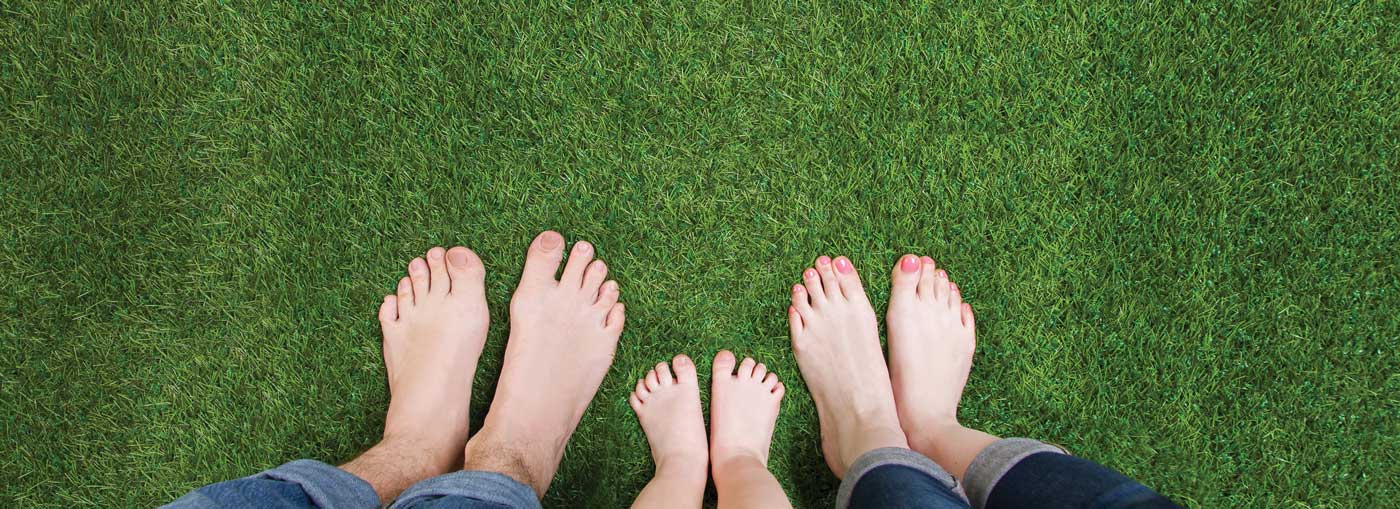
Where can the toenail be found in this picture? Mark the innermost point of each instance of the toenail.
(910, 263)
(417, 265)
(823, 260)
(843, 265)
(810, 274)
(941, 274)
(457, 258)
(435, 254)
(551, 240)
(797, 289)
(927, 260)
(582, 247)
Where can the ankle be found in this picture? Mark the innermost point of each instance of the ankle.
(730, 462)
(689, 469)
(433, 455)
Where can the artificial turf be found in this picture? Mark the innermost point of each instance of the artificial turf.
(1177, 222)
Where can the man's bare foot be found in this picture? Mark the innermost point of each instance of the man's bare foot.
(931, 344)
(837, 344)
(563, 334)
(669, 410)
(743, 411)
(434, 329)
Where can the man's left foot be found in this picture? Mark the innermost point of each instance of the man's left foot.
(434, 329)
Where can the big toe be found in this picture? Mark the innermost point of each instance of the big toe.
(904, 282)
(723, 365)
(542, 259)
(685, 369)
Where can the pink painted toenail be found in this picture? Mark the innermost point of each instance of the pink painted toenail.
(843, 265)
(927, 260)
(823, 260)
(797, 289)
(909, 263)
(810, 274)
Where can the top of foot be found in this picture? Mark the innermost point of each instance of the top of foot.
(668, 406)
(563, 334)
(434, 329)
(837, 345)
(931, 336)
(743, 410)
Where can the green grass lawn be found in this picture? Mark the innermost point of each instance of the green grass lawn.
(1178, 224)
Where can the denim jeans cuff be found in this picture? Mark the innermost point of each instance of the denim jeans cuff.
(995, 461)
(490, 487)
(890, 456)
(325, 485)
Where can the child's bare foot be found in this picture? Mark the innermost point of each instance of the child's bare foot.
(931, 344)
(434, 329)
(743, 412)
(837, 344)
(669, 410)
(563, 334)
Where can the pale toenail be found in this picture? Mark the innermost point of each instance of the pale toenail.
(823, 260)
(810, 274)
(798, 289)
(417, 265)
(582, 247)
(682, 361)
(457, 258)
(435, 253)
(843, 265)
(551, 240)
(941, 274)
(909, 263)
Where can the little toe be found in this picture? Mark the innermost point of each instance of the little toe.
(438, 283)
(685, 370)
(724, 364)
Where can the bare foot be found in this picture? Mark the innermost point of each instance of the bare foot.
(669, 410)
(931, 344)
(837, 344)
(434, 329)
(743, 412)
(563, 334)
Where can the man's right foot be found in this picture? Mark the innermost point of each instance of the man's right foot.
(563, 334)
(931, 344)
(837, 344)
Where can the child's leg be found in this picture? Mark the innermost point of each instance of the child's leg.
(669, 409)
(743, 411)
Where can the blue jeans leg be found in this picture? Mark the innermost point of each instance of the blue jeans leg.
(898, 478)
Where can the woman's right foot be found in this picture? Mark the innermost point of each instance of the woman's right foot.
(931, 336)
(837, 344)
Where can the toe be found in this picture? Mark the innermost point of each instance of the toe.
(685, 370)
(813, 282)
(663, 373)
(438, 283)
(579, 258)
(653, 382)
(746, 367)
(968, 320)
(641, 391)
(779, 390)
(607, 294)
(927, 278)
(795, 323)
(724, 364)
(828, 275)
(542, 259)
(954, 296)
(634, 402)
(770, 381)
(389, 310)
(405, 294)
(594, 275)
(800, 300)
(465, 270)
(418, 274)
(904, 282)
(760, 371)
(940, 285)
(615, 318)
(849, 279)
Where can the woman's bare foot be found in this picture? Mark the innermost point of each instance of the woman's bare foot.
(931, 344)
(434, 329)
(563, 334)
(669, 410)
(743, 412)
(837, 344)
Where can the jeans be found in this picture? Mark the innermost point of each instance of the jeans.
(1010, 473)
